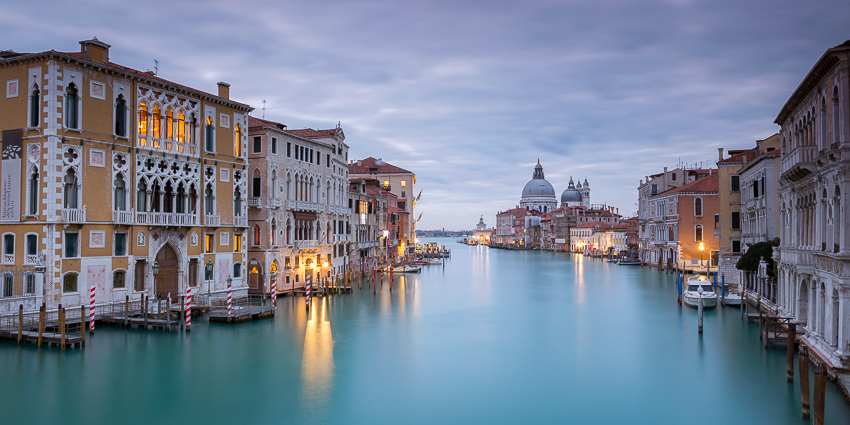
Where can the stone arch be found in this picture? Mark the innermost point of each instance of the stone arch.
(835, 318)
(803, 303)
(822, 310)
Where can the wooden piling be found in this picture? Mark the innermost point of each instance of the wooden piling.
(789, 349)
(61, 327)
(803, 360)
(145, 312)
(183, 309)
(20, 323)
(83, 324)
(126, 310)
(699, 312)
(820, 393)
(760, 319)
(41, 314)
(168, 313)
(767, 331)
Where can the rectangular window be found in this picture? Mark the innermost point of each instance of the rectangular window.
(311, 156)
(258, 143)
(403, 194)
(654, 189)
(193, 272)
(255, 187)
(69, 283)
(237, 270)
(209, 242)
(120, 244)
(8, 248)
(237, 242)
(403, 183)
(118, 279)
(8, 284)
(70, 245)
(736, 246)
(736, 184)
(274, 146)
(139, 278)
(328, 160)
(289, 149)
(29, 279)
(736, 220)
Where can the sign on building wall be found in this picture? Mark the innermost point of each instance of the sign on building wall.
(10, 180)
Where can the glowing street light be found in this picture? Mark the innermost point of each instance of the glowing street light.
(701, 248)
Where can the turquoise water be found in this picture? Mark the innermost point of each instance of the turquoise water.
(493, 337)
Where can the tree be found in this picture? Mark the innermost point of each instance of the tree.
(750, 260)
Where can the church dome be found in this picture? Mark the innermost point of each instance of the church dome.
(538, 187)
(570, 195)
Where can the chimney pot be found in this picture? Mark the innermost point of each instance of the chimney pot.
(224, 90)
(720, 154)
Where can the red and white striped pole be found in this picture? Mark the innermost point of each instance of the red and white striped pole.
(91, 309)
(274, 290)
(307, 288)
(188, 309)
(229, 296)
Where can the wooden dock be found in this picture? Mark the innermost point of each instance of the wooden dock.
(240, 314)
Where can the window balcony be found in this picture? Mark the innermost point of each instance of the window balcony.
(166, 219)
(307, 244)
(254, 203)
(212, 220)
(30, 260)
(240, 221)
(344, 210)
(306, 206)
(74, 215)
(122, 217)
(275, 202)
(9, 259)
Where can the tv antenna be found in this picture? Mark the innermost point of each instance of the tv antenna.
(264, 108)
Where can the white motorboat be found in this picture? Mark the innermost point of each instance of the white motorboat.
(407, 269)
(691, 293)
(732, 299)
(435, 262)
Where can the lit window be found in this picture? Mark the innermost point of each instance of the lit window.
(157, 124)
(237, 142)
(181, 128)
(237, 242)
(403, 183)
(143, 121)
(209, 242)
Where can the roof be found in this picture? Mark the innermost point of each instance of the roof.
(600, 224)
(737, 156)
(257, 122)
(149, 76)
(371, 165)
(815, 75)
(309, 133)
(708, 184)
(514, 211)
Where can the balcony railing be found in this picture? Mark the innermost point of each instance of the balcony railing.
(122, 217)
(799, 155)
(307, 244)
(254, 203)
(240, 221)
(291, 204)
(307, 206)
(274, 202)
(166, 219)
(343, 210)
(30, 260)
(74, 215)
(8, 258)
(212, 220)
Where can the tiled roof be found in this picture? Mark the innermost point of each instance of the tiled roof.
(257, 122)
(371, 165)
(708, 184)
(514, 211)
(309, 133)
(80, 56)
(737, 156)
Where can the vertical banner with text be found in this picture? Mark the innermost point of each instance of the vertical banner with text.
(10, 179)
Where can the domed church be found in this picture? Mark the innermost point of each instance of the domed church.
(576, 195)
(538, 194)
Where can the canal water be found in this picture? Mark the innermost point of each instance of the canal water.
(493, 337)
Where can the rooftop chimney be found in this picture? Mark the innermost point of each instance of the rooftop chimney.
(95, 50)
(224, 90)
(720, 154)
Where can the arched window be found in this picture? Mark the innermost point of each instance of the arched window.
(209, 200)
(142, 197)
(257, 235)
(836, 116)
(120, 116)
(193, 125)
(119, 191)
(288, 232)
(33, 182)
(237, 141)
(71, 106)
(143, 120)
(35, 107)
(273, 191)
(70, 190)
(237, 202)
(169, 125)
(157, 124)
(180, 134)
(698, 233)
(698, 207)
(273, 237)
(823, 142)
(209, 136)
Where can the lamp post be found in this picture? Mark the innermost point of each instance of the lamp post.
(325, 266)
(701, 248)
(209, 270)
(155, 269)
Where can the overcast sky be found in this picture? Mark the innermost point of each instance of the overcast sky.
(469, 94)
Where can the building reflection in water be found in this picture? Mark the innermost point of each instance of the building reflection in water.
(317, 363)
(579, 278)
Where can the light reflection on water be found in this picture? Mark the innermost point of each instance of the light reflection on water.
(493, 337)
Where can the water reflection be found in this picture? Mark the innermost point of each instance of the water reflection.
(317, 363)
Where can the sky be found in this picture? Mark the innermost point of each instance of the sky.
(470, 94)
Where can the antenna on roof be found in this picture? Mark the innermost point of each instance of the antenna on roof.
(264, 108)
(155, 67)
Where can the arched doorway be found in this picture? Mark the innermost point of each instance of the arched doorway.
(166, 281)
(803, 303)
(255, 277)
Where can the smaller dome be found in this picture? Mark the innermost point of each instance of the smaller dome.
(570, 195)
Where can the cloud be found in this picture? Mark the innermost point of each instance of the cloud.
(468, 94)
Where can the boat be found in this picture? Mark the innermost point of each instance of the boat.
(691, 294)
(434, 262)
(407, 269)
(628, 263)
(614, 260)
(732, 299)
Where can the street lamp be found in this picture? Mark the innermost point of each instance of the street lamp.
(155, 269)
(209, 269)
(701, 248)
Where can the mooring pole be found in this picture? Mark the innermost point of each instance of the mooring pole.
(723, 289)
(145, 311)
(41, 314)
(803, 360)
(20, 323)
(699, 310)
(792, 336)
(820, 392)
(83, 323)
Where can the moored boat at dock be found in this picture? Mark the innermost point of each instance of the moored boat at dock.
(692, 294)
